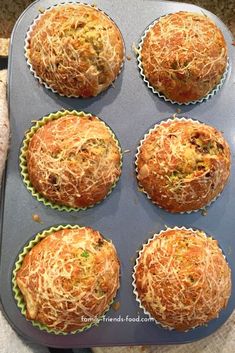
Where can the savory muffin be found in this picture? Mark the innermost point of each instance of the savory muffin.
(73, 160)
(69, 279)
(182, 279)
(75, 49)
(184, 56)
(183, 165)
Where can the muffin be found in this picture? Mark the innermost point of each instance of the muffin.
(183, 165)
(68, 279)
(183, 56)
(182, 279)
(71, 159)
(75, 49)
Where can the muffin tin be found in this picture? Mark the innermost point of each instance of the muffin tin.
(126, 216)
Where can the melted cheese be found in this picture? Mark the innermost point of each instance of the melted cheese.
(70, 275)
(73, 160)
(184, 56)
(75, 49)
(180, 160)
(182, 278)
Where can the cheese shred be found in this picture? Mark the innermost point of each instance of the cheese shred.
(182, 278)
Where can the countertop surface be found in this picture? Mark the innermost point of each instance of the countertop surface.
(11, 9)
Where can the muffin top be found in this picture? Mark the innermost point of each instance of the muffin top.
(69, 279)
(73, 160)
(75, 49)
(182, 278)
(183, 165)
(184, 56)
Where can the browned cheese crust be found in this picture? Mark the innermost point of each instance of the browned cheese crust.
(73, 161)
(69, 279)
(183, 165)
(182, 279)
(76, 50)
(184, 56)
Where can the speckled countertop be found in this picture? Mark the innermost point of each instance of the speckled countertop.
(11, 9)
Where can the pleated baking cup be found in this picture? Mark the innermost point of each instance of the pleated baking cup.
(165, 121)
(18, 295)
(27, 45)
(137, 263)
(23, 158)
(158, 93)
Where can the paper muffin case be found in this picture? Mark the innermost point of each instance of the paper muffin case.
(18, 295)
(136, 164)
(23, 158)
(135, 267)
(27, 39)
(161, 95)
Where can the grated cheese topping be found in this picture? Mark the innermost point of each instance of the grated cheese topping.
(69, 279)
(74, 160)
(75, 49)
(182, 278)
(184, 56)
(183, 165)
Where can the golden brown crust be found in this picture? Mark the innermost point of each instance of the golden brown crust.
(76, 50)
(73, 161)
(69, 279)
(183, 165)
(182, 279)
(184, 56)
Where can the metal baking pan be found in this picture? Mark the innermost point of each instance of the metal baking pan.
(126, 216)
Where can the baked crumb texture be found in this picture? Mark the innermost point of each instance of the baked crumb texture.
(183, 165)
(182, 279)
(69, 279)
(75, 49)
(183, 56)
(73, 161)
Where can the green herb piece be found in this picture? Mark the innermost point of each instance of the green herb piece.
(85, 254)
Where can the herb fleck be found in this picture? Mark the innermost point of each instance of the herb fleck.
(85, 254)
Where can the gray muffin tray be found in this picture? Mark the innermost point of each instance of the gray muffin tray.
(126, 216)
